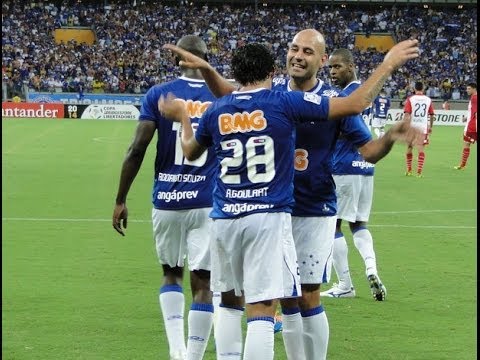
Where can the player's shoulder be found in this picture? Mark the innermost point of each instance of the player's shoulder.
(280, 83)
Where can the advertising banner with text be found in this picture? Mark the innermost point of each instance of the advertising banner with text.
(442, 117)
(33, 110)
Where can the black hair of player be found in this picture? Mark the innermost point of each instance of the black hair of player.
(252, 63)
(193, 44)
(419, 86)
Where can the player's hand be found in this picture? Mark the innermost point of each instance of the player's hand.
(119, 218)
(188, 60)
(401, 53)
(171, 108)
(405, 132)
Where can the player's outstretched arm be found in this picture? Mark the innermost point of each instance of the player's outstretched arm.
(218, 85)
(175, 110)
(365, 94)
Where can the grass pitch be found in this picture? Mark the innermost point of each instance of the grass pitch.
(72, 288)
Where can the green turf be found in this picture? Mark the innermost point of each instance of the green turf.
(72, 288)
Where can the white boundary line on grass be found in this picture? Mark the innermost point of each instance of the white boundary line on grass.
(422, 211)
(371, 225)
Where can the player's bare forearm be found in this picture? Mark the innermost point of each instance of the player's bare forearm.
(134, 158)
(377, 149)
(131, 166)
(218, 85)
(366, 93)
(361, 98)
(192, 150)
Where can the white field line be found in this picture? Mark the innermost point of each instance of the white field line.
(370, 225)
(423, 211)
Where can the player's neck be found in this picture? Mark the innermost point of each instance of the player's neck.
(303, 84)
(192, 74)
(266, 84)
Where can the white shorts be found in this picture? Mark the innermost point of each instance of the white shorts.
(378, 122)
(256, 254)
(354, 197)
(182, 233)
(313, 238)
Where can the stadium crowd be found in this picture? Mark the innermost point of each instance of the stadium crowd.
(127, 56)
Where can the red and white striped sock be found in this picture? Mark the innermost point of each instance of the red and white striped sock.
(465, 155)
(421, 161)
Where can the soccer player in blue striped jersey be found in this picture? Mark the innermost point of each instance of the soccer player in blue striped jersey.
(182, 200)
(381, 105)
(354, 180)
(252, 249)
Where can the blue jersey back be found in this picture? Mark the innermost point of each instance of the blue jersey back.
(381, 105)
(314, 187)
(253, 136)
(347, 160)
(179, 183)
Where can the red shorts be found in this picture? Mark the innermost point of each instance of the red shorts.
(470, 137)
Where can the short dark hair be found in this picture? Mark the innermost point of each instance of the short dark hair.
(344, 54)
(252, 63)
(419, 86)
(472, 85)
(193, 44)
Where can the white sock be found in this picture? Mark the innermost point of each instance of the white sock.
(382, 132)
(229, 338)
(315, 333)
(340, 261)
(363, 241)
(172, 305)
(259, 340)
(200, 320)
(292, 334)
(377, 132)
(216, 299)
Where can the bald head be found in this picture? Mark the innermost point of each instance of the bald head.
(312, 37)
(305, 57)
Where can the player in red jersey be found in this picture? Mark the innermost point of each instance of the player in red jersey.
(419, 110)
(470, 132)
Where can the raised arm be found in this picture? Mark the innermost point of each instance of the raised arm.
(365, 94)
(176, 111)
(217, 84)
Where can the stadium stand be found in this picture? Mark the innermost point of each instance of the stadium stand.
(127, 57)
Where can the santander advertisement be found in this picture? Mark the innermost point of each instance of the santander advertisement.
(33, 110)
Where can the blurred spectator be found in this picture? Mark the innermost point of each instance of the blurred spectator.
(128, 57)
